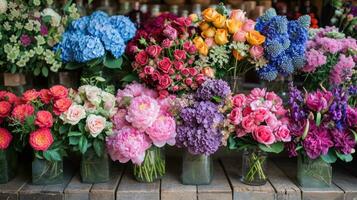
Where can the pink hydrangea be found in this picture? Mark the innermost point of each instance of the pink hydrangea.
(128, 144)
(162, 131)
(343, 70)
(142, 112)
(314, 59)
(330, 45)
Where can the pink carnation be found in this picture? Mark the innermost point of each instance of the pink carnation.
(330, 45)
(142, 112)
(128, 144)
(343, 70)
(314, 59)
(255, 94)
(162, 131)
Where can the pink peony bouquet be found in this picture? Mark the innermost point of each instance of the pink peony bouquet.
(89, 118)
(166, 61)
(142, 120)
(330, 59)
(256, 120)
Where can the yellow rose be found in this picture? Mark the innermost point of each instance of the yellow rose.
(202, 48)
(219, 21)
(237, 55)
(198, 40)
(209, 14)
(221, 37)
(209, 33)
(233, 25)
(193, 17)
(255, 38)
(208, 71)
(204, 25)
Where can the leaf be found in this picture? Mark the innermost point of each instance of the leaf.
(274, 148)
(74, 140)
(217, 99)
(37, 71)
(81, 127)
(306, 130)
(344, 157)
(112, 63)
(44, 71)
(232, 144)
(72, 66)
(52, 155)
(98, 147)
(63, 129)
(354, 134)
(318, 119)
(129, 78)
(330, 157)
(74, 133)
(83, 144)
(47, 19)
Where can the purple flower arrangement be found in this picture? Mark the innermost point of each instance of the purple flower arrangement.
(200, 118)
(330, 58)
(322, 124)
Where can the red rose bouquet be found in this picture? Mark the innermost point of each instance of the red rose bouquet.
(35, 121)
(257, 124)
(166, 61)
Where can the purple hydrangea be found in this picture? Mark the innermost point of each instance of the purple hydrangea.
(317, 142)
(344, 142)
(199, 131)
(212, 88)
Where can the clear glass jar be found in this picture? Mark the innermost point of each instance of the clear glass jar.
(8, 165)
(46, 172)
(235, 83)
(254, 167)
(313, 173)
(95, 169)
(153, 167)
(196, 169)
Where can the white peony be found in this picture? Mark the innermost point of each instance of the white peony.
(3, 6)
(74, 114)
(95, 124)
(55, 17)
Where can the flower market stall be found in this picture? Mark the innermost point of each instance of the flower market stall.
(221, 103)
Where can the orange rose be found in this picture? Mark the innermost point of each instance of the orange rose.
(255, 38)
(204, 25)
(237, 55)
(219, 21)
(208, 71)
(221, 37)
(209, 14)
(233, 25)
(209, 33)
(202, 48)
(198, 40)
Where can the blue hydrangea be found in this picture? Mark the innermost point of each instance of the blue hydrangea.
(268, 15)
(69, 41)
(88, 48)
(298, 61)
(273, 48)
(112, 41)
(80, 24)
(297, 33)
(277, 26)
(126, 27)
(268, 72)
(283, 64)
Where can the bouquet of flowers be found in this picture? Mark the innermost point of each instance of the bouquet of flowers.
(89, 123)
(199, 129)
(229, 44)
(29, 32)
(323, 129)
(345, 17)
(166, 60)
(330, 59)
(36, 121)
(95, 41)
(284, 47)
(256, 123)
(143, 124)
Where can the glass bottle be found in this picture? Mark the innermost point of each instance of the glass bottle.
(196, 169)
(46, 172)
(94, 168)
(254, 167)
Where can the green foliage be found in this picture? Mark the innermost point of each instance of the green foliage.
(330, 157)
(112, 63)
(277, 147)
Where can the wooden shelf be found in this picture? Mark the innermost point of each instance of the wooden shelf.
(225, 186)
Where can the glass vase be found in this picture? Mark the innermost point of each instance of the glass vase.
(46, 172)
(313, 173)
(68, 79)
(196, 169)
(235, 83)
(8, 165)
(16, 83)
(95, 169)
(254, 167)
(153, 167)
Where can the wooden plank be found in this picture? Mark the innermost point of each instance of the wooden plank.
(331, 193)
(77, 190)
(56, 192)
(30, 192)
(285, 188)
(171, 186)
(130, 189)
(242, 191)
(218, 189)
(346, 182)
(10, 190)
(106, 191)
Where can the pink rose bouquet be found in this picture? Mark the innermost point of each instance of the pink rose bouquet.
(166, 61)
(256, 123)
(142, 124)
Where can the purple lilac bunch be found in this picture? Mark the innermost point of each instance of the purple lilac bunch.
(200, 119)
(330, 58)
(322, 124)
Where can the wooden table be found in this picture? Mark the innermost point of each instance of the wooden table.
(225, 186)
